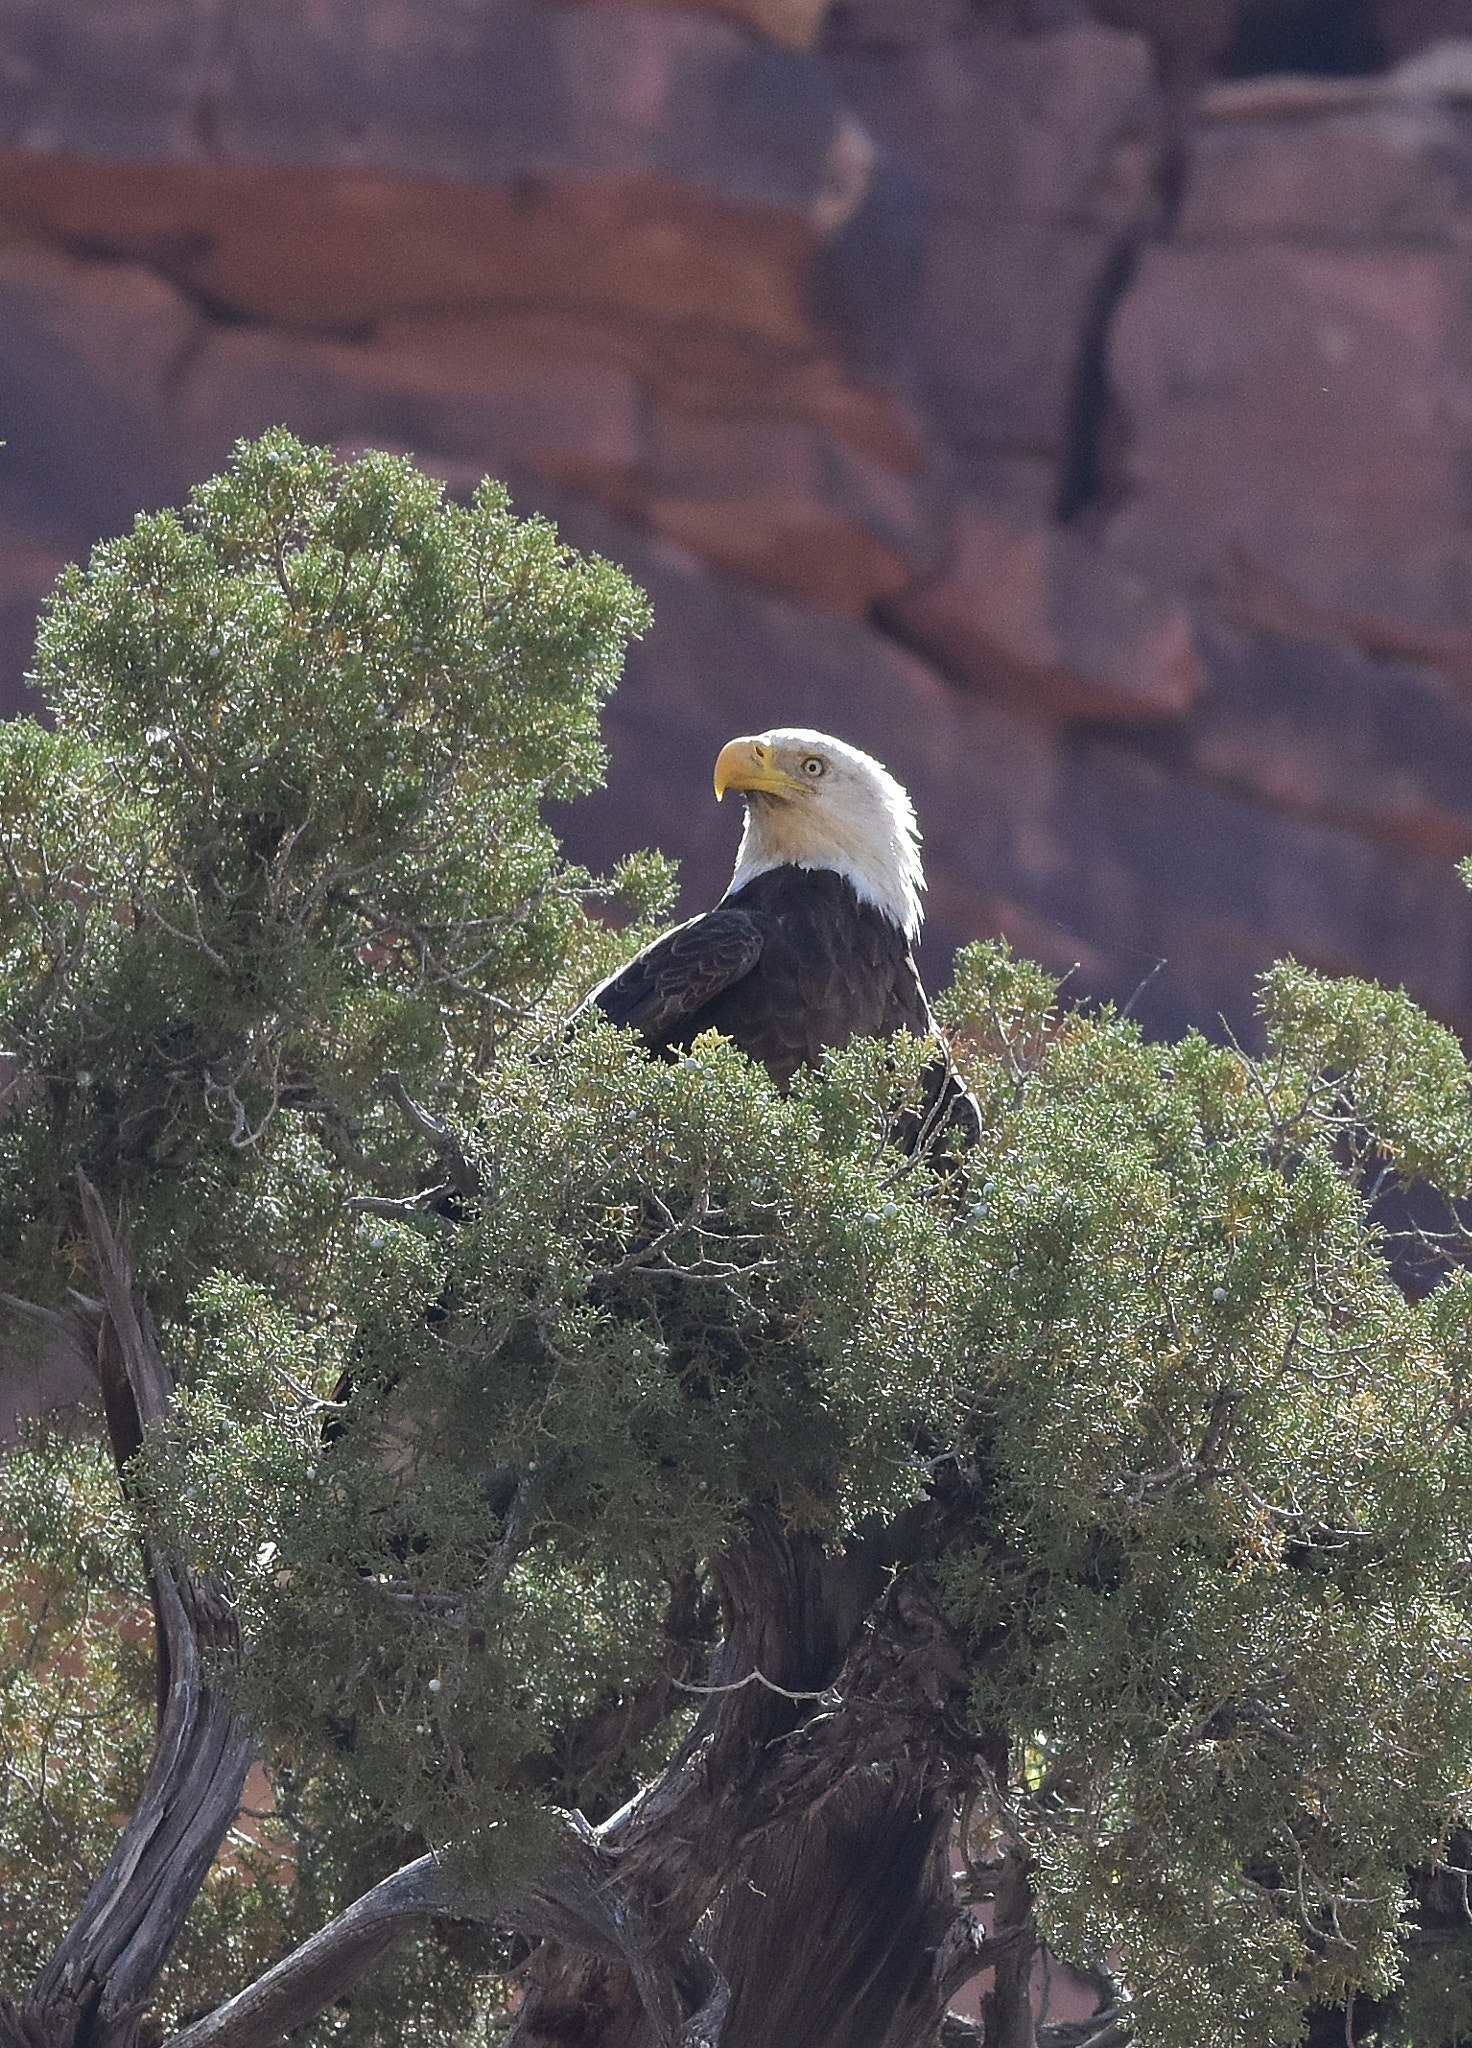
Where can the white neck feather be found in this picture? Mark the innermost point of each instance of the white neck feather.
(878, 853)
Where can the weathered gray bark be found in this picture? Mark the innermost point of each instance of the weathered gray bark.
(1008, 2007)
(93, 1991)
(326, 1965)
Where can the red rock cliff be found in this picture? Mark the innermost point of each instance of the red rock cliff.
(1087, 432)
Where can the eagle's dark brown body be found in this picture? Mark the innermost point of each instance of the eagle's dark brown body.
(790, 965)
(787, 966)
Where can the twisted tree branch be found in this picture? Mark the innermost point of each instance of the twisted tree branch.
(92, 1991)
(335, 1957)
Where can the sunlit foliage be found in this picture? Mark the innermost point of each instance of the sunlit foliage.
(1203, 1391)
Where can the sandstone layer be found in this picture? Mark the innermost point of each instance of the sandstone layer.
(992, 381)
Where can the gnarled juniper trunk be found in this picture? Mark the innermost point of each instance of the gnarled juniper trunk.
(93, 1991)
(830, 1937)
(787, 1878)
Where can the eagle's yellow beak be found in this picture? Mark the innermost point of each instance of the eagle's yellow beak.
(751, 764)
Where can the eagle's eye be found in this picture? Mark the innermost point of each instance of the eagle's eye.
(813, 767)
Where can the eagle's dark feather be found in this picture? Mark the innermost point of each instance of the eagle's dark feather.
(673, 979)
(789, 965)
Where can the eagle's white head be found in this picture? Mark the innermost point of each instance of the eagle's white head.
(815, 802)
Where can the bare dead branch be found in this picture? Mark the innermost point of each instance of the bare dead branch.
(825, 1693)
(331, 1960)
(570, 1901)
(399, 1209)
(963, 1951)
(112, 1953)
(1008, 2006)
(1107, 2029)
(462, 1175)
(704, 2027)
(94, 1987)
(148, 1376)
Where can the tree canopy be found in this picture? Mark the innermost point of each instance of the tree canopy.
(642, 1523)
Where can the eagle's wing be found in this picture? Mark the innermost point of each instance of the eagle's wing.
(666, 984)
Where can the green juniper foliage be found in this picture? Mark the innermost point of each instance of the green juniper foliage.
(286, 837)
(1211, 1577)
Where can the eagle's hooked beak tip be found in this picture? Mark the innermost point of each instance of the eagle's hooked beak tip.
(747, 764)
(734, 765)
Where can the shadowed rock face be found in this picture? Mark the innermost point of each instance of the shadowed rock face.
(974, 378)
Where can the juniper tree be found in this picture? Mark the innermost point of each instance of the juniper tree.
(671, 1555)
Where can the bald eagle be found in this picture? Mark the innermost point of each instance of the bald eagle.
(811, 945)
